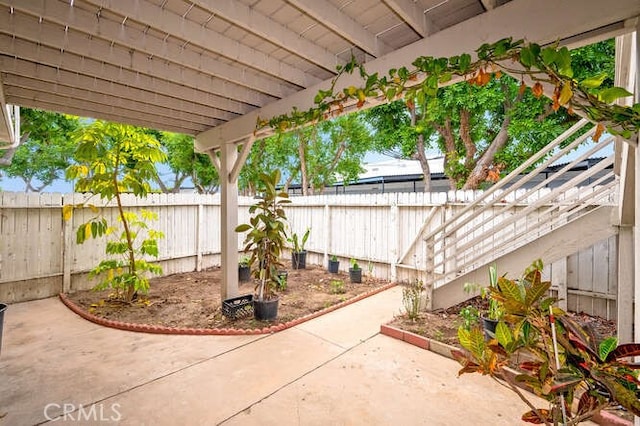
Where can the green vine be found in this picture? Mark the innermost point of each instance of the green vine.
(534, 64)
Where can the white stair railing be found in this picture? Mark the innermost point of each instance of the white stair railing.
(508, 215)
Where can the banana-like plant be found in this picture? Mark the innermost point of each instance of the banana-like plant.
(564, 360)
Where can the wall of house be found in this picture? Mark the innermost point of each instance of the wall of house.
(40, 258)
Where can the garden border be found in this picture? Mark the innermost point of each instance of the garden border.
(159, 329)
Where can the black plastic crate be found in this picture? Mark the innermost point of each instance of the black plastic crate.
(238, 307)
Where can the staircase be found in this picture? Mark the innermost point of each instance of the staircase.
(525, 217)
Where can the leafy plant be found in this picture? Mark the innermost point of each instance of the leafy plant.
(281, 281)
(337, 287)
(266, 234)
(470, 317)
(114, 159)
(298, 244)
(496, 310)
(244, 260)
(411, 297)
(564, 360)
(333, 258)
(354, 264)
(116, 272)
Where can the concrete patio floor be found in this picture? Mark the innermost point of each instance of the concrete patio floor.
(336, 369)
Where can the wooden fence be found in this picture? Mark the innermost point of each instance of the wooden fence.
(40, 258)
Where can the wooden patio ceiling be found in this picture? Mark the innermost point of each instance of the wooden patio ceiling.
(193, 65)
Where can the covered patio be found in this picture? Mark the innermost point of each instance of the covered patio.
(211, 69)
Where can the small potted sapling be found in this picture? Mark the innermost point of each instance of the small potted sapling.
(334, 264)
(495, 310)
(355, 272)
(299, 254)
(244, 268)
(266, 239)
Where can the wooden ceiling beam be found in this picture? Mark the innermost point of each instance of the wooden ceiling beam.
(268, 29)
(331, 17)
(18, 67)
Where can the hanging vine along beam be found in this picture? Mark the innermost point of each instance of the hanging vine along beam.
(550, 65)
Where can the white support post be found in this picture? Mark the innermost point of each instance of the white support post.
(228, 222)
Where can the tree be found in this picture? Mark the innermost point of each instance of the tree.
(46, 150)
(185, 163)
(487, 127)
(113, 159)
(314, 154)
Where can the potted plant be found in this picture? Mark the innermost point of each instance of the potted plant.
(266, 238)
(334, 264)
(558, 359)
(244, 268)
(495, 311)
(299, 254)
(355, 272)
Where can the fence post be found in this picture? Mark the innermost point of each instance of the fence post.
(559, 278)
(326, 224)
(67, 244)
(199, 236)
(394, 238)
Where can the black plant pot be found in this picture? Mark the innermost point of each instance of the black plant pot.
(355, 275)
(265, 310)
(3, 308)
(244, 273)
(489, 326)
(333, 266)
(299, 259)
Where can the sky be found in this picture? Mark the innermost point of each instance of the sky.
(16, 185)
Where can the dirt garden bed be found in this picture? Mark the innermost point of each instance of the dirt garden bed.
(192, 299)
(442, 325)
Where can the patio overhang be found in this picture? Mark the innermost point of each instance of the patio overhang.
(573, 23)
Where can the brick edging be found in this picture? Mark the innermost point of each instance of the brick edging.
(603, 418)
(159, 329)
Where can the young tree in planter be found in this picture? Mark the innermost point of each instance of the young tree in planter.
(266, 239)
(114, 159)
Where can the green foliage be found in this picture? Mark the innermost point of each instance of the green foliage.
(496, 310)
(354, 264)
(281, 280)
(333, 258)
(316, 155)
(298, 244)
(592, 371)
(470, 317)
(185, 163)
(113, 159)
(411, 297)
(266, 234)
(420, 87)
(244, 260)
(47, 150)
(337, 287)
(117, 273)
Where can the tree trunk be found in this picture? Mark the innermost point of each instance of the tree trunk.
(450, 146)
(304, 178)
(420, 154)
(481, 168)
